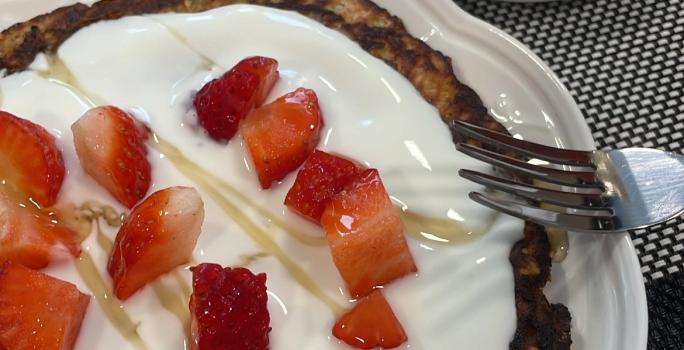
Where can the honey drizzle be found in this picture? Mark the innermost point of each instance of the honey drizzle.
(559, 244)
(113, 309)
(261, 237)
(91, 212)
(168, 297)
(173, 303)
(185, 287)
(81, 220)
(60, 74)
(304, 238)
(248, 259)
(437, 230)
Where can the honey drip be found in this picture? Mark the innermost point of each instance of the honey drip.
(113, 309)
(248, 259)
(173, 303)
(185, 287)
(168, 297)
(60, 74)
(82, 219)
(558, 243)
(177, 157)
(438, 230)
(419, 226)
(259, 235)
(558, 238)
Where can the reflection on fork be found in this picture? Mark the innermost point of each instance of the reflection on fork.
(588, 191)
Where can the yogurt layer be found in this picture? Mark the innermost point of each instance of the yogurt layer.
(462, 296)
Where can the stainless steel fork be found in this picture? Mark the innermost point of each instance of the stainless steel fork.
(588, 191)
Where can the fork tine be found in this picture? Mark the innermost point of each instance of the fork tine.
(530, 149)
(572, 222)
(578, 200)
(557, 176)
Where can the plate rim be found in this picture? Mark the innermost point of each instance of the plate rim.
(517, 51)
(445, 11)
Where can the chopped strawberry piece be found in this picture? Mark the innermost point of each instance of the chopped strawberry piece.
(38, 311)
(228, 308)
(30, 161)
(366, 235)
(30, 236)
(224, 101)
(282, 134)
(267, 70)
(159, 234)
(110, 144)
(322, 176)
(370, 324)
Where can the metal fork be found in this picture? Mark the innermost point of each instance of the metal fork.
(586, 191)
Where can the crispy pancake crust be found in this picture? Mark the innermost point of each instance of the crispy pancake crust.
(375, 29)
(540, 324)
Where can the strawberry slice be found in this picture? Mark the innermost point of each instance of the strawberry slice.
(228, 308)
(30, 236)
(30, 161)
(322, 176)
(110, 145)
(370, 324)
(159, 234)
(224, 101)
(282, 134)
(38, 311)
(366, 235)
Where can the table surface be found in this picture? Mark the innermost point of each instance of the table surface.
(623, 62)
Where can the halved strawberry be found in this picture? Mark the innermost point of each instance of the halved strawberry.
(110, 144)
(38, 311)
(30, 161)
(321, 177)
(30, 236)
(281, 135)
(370, 324)
(366, 235)
(224, 101)
(159, 234)
(228, 309)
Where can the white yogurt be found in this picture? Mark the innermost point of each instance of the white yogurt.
(153, 65)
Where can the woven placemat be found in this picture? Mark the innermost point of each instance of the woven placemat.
(623, 62)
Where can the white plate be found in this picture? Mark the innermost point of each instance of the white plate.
(600, 281)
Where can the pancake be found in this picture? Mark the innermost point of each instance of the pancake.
(540, 325)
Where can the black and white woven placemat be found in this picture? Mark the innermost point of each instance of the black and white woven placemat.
(623, 62)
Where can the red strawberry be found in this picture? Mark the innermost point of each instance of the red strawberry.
(110, 144)
(30, 236)
(267, 70)
(228, 308)
(370, 324)
(282, 134)
(38, 311)
(366, 235)
(30, 161)
(159, 234)
(322, 176)
(223, 102)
